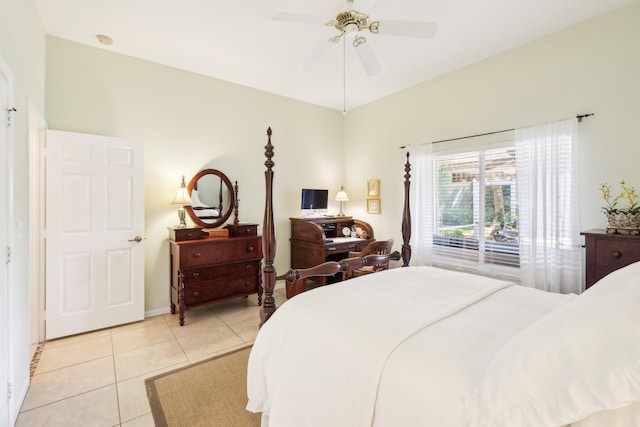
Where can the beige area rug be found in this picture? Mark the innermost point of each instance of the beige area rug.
(210, 393)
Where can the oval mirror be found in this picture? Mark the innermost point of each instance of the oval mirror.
(213, 198)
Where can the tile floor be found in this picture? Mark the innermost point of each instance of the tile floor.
(97, 378)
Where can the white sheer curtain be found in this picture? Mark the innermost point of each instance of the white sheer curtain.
(422, 206)
(550, 245)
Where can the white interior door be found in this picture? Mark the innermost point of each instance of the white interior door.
(94, 233)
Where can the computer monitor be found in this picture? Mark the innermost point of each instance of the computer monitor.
(314, 201)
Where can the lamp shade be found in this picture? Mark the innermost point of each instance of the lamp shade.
(182, 195)
(342, 196)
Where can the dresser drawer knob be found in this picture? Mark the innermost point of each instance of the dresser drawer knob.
(196, 294)
(247, 284)
(196, 275)
(248, 267)
(250, 248)
(616, 254)
(197, 255)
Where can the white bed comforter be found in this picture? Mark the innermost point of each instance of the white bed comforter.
(385, 349)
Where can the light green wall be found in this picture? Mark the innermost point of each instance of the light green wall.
(593, 67)
(189, 122)
(22, 47)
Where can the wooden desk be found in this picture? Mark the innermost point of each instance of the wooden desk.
(319, 239)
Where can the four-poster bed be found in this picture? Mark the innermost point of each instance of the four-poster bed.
(433, 347)
(329, 268)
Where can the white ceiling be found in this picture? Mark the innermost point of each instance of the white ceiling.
(237, 40)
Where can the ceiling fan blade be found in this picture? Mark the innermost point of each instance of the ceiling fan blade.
(315, 56)
(368, 59)
(294, 17)
(423, 30)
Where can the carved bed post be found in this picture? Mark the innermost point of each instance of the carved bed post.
(406, 216)
(235, 208)
(268, 238)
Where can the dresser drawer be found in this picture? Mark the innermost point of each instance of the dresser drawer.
(614, 254)
(203, 274)
(182, 234)
(606, 253)
(243, 229)
(220, 288)
(198, 254)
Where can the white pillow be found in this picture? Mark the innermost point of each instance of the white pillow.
(581, 358)
(624, 279)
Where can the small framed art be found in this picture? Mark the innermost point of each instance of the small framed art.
(373, 188)
(373, 206)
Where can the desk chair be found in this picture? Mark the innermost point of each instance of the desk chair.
(378, 247)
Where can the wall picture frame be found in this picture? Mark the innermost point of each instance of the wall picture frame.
(373, 205)
(373, 188)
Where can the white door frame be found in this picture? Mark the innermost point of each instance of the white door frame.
(8, 407)
(37, 145)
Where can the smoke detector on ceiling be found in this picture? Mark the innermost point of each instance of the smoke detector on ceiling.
(104, 39)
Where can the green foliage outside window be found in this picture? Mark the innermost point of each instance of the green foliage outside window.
(456, 207)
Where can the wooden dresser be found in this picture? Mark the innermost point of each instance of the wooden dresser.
(608, 252)
(214, 269)
(319, 239)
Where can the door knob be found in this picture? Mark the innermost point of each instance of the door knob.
(136, 239)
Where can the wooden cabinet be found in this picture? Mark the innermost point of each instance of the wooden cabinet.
(213, 270)
(608, 252)
(319, 239)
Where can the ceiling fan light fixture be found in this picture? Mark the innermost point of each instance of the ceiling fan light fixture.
(358, 41)
(351, 29)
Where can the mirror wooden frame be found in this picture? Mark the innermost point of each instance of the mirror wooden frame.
(230, 206)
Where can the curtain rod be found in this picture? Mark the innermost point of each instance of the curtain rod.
(579, 117)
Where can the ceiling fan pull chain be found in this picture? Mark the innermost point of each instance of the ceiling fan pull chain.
(344, 77)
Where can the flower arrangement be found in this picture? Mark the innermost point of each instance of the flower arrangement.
(628, 193)
(624, 220)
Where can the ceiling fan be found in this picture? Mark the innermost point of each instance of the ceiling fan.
(350, 24)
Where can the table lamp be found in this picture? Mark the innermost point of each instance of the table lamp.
(341, 197)
(182, 198)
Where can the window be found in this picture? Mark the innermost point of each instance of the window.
(501, 204)
(476, 207)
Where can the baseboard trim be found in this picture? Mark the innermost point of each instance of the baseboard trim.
(157, 312)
